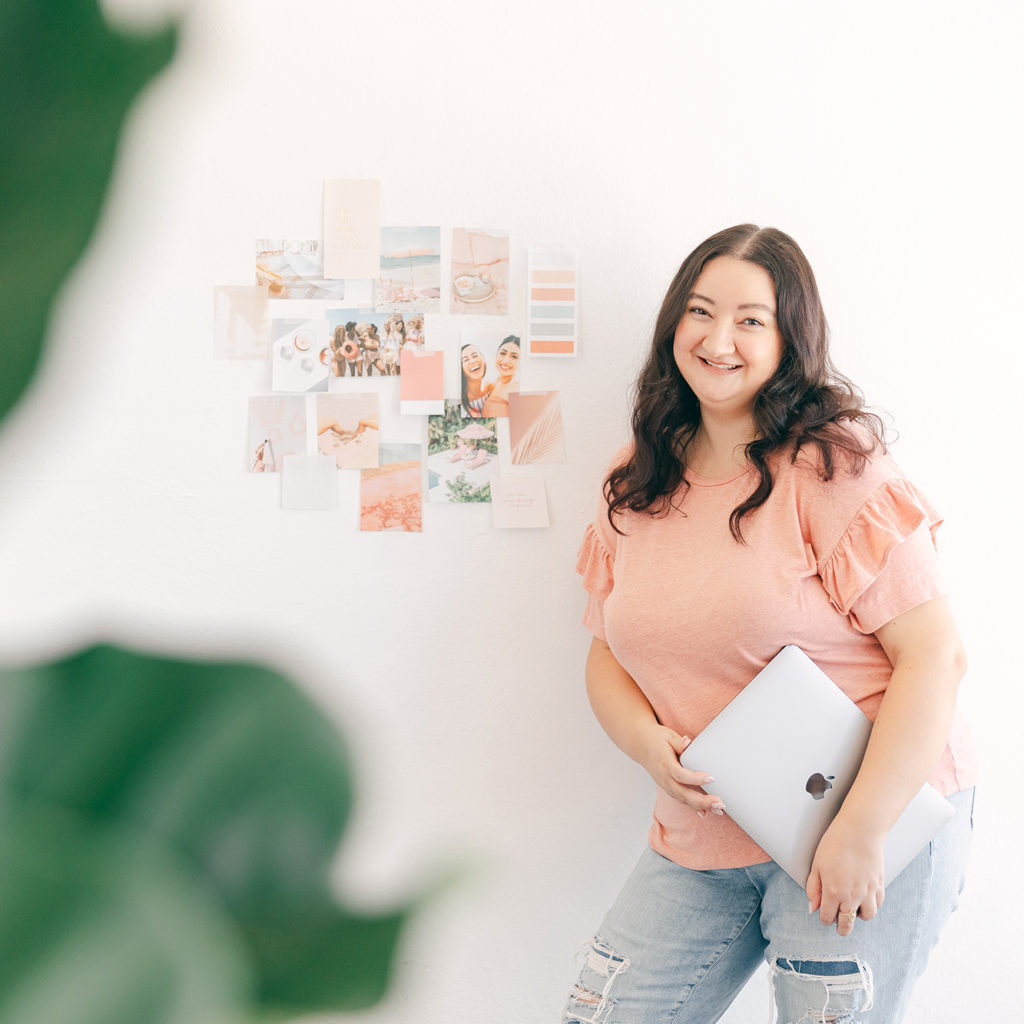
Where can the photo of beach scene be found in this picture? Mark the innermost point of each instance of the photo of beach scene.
(348, 428)
(391, 495)
(410, 270)
(479, 271)
(462, 455)
(294, 270)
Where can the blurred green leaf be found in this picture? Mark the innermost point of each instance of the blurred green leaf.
(166, 827)
(100, 927)
(218, 782)
(66, 83)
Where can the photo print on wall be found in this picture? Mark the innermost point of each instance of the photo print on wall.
(294, 270)
(479, 271)
(535, 428)
(366, 344)
(489, 368)
(300, 356)
(277, 427)
(391, 496)
(462, 454)
(410, 270)
(348, 428)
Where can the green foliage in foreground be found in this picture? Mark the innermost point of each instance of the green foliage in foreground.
(66, 84)
(166, 827)
(166, 831)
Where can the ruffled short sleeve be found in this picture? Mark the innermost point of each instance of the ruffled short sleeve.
(885, 562)
(595, 564)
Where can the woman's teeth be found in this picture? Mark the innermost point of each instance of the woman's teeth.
(721, 366)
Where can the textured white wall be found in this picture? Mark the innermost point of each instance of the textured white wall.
(880, 135)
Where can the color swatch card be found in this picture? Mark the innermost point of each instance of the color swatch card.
(552, 287)
(422, 391)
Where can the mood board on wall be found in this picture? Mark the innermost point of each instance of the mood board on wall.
(327, 316)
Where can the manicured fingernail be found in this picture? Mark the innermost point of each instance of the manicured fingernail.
(700, 814)
(718, 809)
(810, 907)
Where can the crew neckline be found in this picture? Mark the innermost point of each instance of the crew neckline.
(702, 481)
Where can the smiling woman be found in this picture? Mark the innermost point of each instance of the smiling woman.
(757, 507)
(474, 389)
(727, 347)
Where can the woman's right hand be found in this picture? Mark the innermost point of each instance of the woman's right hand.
(628, 718)
(662, 747)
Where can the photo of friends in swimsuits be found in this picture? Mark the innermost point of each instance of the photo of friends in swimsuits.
(371, 344)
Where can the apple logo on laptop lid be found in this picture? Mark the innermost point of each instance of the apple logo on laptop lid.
(818, 784)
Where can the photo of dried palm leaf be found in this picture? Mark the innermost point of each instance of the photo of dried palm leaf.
(535, 428)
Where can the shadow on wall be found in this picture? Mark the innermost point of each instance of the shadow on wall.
(166, 827)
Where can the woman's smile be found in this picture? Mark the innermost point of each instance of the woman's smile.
(719, 367)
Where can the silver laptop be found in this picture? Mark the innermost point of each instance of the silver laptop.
(784, 753)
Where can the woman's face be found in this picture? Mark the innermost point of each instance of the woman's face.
(728, 343)
(507, 359)
(473, 365)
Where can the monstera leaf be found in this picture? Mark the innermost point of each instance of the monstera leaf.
(166, 830)
(166, 826)
(66, 82)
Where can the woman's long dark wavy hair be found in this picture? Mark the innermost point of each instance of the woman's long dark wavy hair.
(805, 402)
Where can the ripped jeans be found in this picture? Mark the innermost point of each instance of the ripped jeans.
(679, 945)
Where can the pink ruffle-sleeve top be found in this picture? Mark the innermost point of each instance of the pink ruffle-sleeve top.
(693, 615)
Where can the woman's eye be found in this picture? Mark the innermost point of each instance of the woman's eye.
(752, 322)
(698, 311)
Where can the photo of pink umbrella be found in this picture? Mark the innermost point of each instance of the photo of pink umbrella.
(474, 432)
(409, 254)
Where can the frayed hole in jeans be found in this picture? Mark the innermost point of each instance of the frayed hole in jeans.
(590, 1001)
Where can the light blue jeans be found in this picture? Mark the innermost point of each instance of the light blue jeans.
(678, 945)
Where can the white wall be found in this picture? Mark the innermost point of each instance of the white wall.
(881, 135)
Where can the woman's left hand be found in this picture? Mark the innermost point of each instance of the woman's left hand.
(847, 873)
